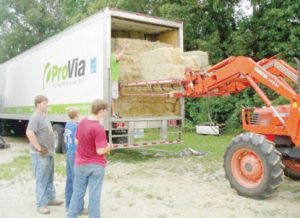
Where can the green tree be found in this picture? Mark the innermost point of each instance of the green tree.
(76, 10)
(274, 28)
(26, 23)
(207, 24)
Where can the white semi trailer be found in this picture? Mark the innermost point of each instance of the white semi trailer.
(72, 68)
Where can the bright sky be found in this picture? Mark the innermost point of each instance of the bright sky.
(246, 7)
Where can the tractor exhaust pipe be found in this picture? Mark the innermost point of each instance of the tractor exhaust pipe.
(298, 69)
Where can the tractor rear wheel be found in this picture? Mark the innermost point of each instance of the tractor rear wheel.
(292, 168)
(253, 166)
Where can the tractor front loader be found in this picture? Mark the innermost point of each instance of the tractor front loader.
(255, 160)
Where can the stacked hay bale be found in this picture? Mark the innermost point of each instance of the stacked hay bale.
(162, 63)
(196, 60)
(146, 60)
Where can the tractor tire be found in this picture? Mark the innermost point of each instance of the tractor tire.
(253, 166)
(292, 168)
(58, 131)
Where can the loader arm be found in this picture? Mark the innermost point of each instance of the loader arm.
(233, 75)
(279, 68)
(237, 73)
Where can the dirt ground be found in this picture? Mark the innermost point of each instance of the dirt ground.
(155, 188)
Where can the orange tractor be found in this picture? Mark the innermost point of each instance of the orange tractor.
(254, 161)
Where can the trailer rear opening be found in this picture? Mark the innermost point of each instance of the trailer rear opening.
(143, 123)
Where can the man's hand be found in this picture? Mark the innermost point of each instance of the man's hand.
(120, 53)
(103, 151)
(126, 45)
(108, 147)
(43, 151)
(33, 140)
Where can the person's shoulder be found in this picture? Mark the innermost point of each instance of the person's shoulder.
(35, 116)
(74, 125)
(82, 122)
(68, 125)
(100, 127)
(71, 123)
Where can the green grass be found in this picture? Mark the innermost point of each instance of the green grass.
(20, 165)
(60, 164)
(128, 156)
(154, 135)
(149, 135)
(214, 145)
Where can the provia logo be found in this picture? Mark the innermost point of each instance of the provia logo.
(54, 73)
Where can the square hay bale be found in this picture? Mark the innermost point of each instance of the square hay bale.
(163, 71)
(147, 60)
(197, 58)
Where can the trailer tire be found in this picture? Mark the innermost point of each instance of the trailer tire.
(253, 166)
(58, 131)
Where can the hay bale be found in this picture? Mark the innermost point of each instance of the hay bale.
(163, 71)
(197, 60)
(177, 107)
(162, 63)
(190, 62)
(146, 60)
(160, 56)
(137, 46)
(170, 107)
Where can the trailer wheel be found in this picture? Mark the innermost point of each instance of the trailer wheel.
(58, 131)
(253, 166)
(292, 169)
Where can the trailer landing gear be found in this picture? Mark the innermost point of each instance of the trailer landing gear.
(3, 144)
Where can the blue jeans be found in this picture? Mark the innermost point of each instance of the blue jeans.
(90, 175)
(70, 178)
(43, 169)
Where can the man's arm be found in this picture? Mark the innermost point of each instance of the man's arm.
(102, 147)
(33, 139)
(102, 151)
(120, 54)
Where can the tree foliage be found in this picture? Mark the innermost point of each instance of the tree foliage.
(24, 23)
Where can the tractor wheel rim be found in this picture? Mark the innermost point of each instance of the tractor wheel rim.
(292, 164)
(247, 168)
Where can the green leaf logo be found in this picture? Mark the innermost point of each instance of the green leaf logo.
(47, 74)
